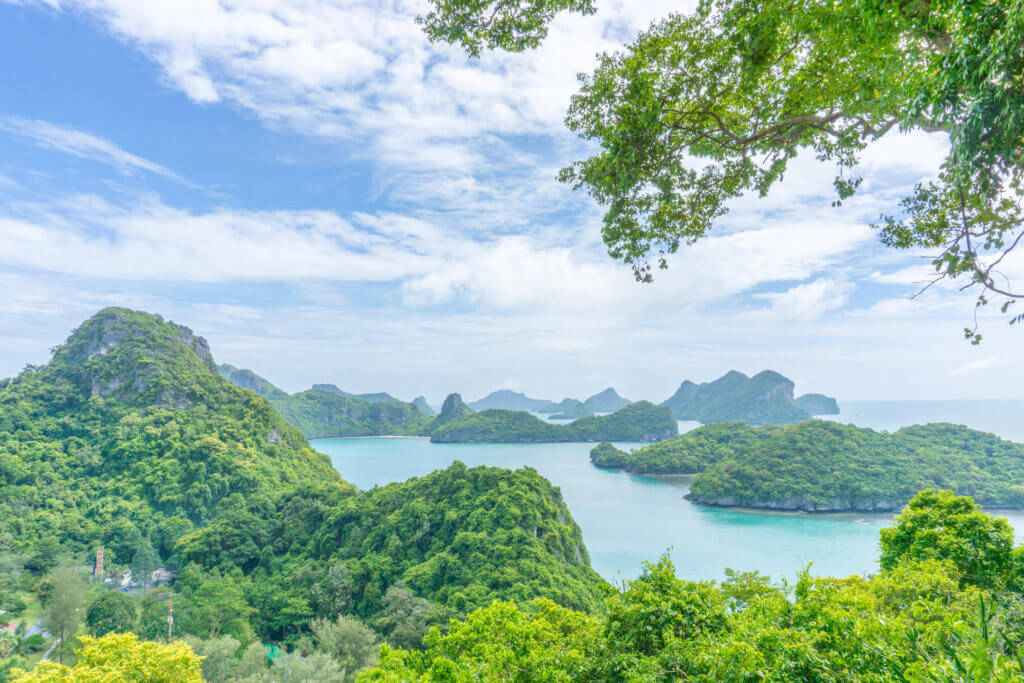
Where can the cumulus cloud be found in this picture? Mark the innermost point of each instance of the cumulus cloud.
(807, 301)
(431, 263)
(437, 124)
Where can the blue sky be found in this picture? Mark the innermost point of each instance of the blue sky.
(328, 198)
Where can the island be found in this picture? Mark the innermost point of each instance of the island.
(641, 421)
(765, 398)
(505, 399)
(607, 401)
(817, 404)
(421, 405)
(824, 466)
(325, 411)
(571, 409)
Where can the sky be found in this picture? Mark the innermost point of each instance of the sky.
(327, 197)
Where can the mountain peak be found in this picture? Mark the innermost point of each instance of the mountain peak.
(425, 408)
(454, 407)
(134, 354)
(607, 401)
(765, 398)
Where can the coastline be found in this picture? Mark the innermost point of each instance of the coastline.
(387, 436)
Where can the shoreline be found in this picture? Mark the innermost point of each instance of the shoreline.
(340, 438)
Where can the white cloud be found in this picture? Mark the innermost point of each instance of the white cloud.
(435, 122)
(83, 145)
(806, 301)
(974, 366)
(482, 269)
(434, 264)
(88, 236)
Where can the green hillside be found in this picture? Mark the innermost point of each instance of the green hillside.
(247, 379)
(823, 466)
(326, 411)
(130, 437)
(322, 414)
(641, 421)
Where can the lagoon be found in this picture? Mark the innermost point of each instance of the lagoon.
(627, 519)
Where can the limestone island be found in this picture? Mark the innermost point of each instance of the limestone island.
(821, 466)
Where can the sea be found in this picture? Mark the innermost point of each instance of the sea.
(630, 519)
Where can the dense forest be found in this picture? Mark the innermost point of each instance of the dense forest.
(326, 411)
(826, 466)
(640, 421)
(946, 607)
(130, 439)
(319, 414)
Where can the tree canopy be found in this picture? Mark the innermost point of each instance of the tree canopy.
(827, 466)
(742, 86)
(121, 657)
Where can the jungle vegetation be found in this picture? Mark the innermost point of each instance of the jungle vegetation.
(130, 439)
(640, 421)
(827, 466)
(326, 411)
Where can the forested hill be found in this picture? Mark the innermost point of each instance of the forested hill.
(130, 433)
(765, 398)
(820, 466)
(130, 438)
(641, 421)
(322, 414)
(247, 379)
(326, 411)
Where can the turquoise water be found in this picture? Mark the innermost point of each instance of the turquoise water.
(627, 519)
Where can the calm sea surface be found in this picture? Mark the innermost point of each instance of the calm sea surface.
(627, 519)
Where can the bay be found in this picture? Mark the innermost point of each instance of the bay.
(628, 519)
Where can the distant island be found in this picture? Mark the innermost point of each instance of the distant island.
(566, 406)
(765, 398)
(607, 401)
(821, 466)
(817, 404)
(380, 397)
(642, 421)
(571, 409)
(421, 405)
(505, 399)
(326, 411)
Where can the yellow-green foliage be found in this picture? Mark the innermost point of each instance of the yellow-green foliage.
(913, 623)
(120, 658)
(920, 619)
